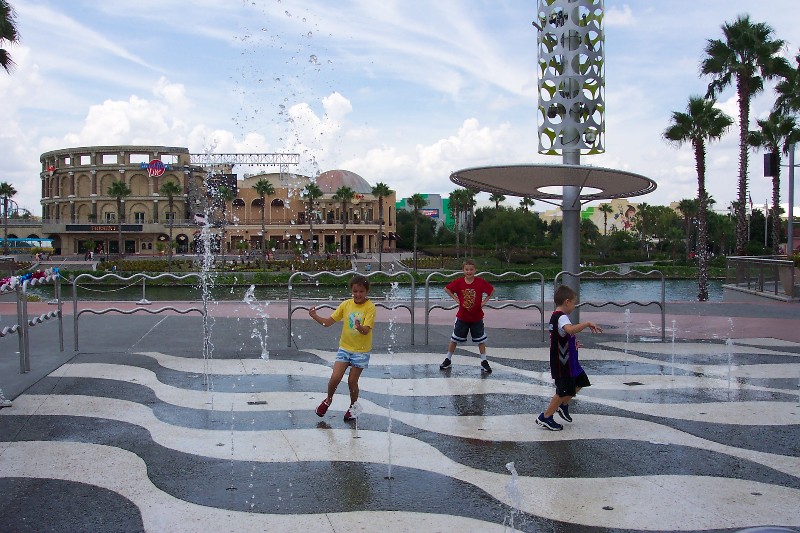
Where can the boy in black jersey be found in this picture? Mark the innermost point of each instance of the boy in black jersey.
(565, 369)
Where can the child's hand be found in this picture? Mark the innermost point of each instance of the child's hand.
(312, 312)
(357, 323)
(595, 328)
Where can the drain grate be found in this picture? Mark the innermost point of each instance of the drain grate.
(633, 383)
(259, 402)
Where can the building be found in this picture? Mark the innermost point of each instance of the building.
(80, 214)
(436, 208)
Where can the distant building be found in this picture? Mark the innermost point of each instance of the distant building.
(437, 208)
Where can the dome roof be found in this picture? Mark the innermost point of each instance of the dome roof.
(331, 180)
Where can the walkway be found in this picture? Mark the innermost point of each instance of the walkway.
(701, 435)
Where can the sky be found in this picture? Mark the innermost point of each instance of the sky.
(399, 91)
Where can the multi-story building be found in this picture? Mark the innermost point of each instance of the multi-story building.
(80, 213)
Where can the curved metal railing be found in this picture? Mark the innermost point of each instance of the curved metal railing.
(509, 303)
(290, 309)
(77, 313)
(642, 275)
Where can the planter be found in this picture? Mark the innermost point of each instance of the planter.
(790, 287)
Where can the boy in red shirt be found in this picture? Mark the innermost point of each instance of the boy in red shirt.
(470, 293)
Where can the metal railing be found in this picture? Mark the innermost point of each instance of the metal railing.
(509, 303)
(612, 273)
(24, 322)
(767, 275)
(77, 313)
(349, 273)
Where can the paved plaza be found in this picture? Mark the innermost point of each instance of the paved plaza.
(137, 431)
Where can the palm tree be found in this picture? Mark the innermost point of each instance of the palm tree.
(120, 191)
(381, 190)
(470, 203)
(225, 195)
(606, 209)
(311, 193)
(417, 201)
(496, 198)
(170, 189)
(264, 188)
(688, 209)
(8, 33)
(700, 123)
(455, 211)
(6, 191)
(788, 90)
(526, 203)
(776, 133)
(344, 194)
(748, 55)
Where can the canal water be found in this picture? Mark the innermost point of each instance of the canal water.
(591, 291)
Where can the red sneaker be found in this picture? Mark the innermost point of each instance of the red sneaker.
(348, 416)
(322, 408)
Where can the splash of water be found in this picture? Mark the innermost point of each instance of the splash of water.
(729, 343)
(260, 330)
(392, 295)
(627, 334)
(673, 350)
(514, 494)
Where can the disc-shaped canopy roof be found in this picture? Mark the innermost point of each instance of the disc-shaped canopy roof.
(531, 180)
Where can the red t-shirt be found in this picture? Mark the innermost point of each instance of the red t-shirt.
(470, 296)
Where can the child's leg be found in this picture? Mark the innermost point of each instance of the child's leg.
(339, 368)
(352, 382)
(555, 401)
(451, 348)
(482, 349)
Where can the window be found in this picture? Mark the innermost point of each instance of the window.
(111, 217)
(138, 218)
(169, 216)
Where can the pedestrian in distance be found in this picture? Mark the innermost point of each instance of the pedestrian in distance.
(565, 369)
(471, 293)
(355, 343)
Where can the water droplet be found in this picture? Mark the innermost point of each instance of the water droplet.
(309, 35)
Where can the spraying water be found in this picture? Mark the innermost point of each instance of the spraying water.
(260, 330)
(514, 494)
(627, 334)
(392, 337)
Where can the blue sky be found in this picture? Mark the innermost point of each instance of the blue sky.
(401, 91)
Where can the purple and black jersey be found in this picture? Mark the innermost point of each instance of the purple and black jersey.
(563, 351)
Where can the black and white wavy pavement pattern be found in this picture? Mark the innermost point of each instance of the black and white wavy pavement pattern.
(132, 442)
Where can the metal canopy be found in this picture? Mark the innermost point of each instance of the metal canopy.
(528, 180)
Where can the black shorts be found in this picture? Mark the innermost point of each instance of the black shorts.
(568, 386)
(461, 328)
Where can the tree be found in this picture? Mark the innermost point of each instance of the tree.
(6, 191)
(311, 193)
(170, 189)
(606, 209)
(225, 196)
(264, 189)
(381, 190)
(455, 212)
(788, 90)
(417, 201)
(119, 190)
(748, 55)
(345, 195)
(526, 202)
(469, 210)
(8, 33)
(700, 123)
(688, 209)
(497, 198)
(776, 134)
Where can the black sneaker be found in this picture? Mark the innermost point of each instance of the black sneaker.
(445, 364)
(485, 367)
(563, 412)
(548, 423)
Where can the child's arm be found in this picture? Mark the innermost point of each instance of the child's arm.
(573, 329)
(364, 330)
(452, 295)
(327, 322)
(486, 298)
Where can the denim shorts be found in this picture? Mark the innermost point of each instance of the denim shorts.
(461, 328)
(357, 359)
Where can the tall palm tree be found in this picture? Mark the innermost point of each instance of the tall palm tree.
(311, 193)
(345, 195)
(526, 202)
(120, 190)
(606, 209)
(496, 197)
(225, 196)
(6, 191)
(470, 203)
(700, 123)
(381, 190)
(455, 211)
(8, 33)
(747, 55)
(688, 209)
(417, 201)
(170, 189)
(776, 133)
(264, 188)
(788, 90)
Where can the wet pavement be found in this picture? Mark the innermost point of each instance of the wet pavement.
(137, 431)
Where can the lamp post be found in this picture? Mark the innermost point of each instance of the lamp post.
(790, 237)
